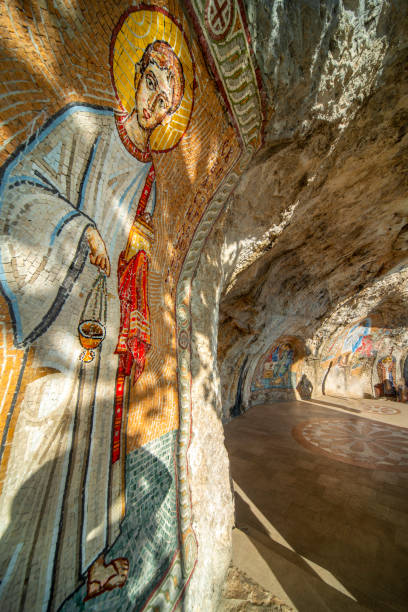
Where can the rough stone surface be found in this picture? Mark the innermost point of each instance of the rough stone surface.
(212, 501)
(325, 203)
(242, 594)
(315, 236)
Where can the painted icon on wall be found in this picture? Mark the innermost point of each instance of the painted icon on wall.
(276, 369)
(355, 336)
(387, 374)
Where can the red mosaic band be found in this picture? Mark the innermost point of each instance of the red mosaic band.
(146, 192)
(134, 338)
(117, 421)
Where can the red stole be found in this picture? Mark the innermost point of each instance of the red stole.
(134, 332)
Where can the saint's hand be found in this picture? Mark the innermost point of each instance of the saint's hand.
(98, 255)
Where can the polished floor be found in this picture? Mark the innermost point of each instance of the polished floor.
(321, 492)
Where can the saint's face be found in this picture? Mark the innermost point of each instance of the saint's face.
(154, 97)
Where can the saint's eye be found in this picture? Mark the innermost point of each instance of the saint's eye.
(150, 82)
(162, 103)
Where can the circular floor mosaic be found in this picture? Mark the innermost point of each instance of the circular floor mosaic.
(359, 442)
(382, 410)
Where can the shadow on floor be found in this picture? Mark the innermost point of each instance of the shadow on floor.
(330, 532)
(306, 589)
(320, 402)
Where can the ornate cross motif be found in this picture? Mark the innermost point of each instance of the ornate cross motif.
(219, 16)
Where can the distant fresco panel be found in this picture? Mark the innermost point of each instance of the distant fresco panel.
(365, 359)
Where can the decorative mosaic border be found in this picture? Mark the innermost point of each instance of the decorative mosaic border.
(232, 61)
(245, 107)
(183, 332)
(185, 559)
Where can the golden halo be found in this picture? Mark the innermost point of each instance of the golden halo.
(137, 28)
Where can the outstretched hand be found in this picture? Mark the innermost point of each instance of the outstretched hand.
(98, 255)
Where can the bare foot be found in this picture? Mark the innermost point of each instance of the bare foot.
(102, 578)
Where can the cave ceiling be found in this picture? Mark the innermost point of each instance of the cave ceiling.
(319, 220)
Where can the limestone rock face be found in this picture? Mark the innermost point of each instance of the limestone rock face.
(242, 594)
(322, 212)
(211, 496)
(321, 60)
(316, 234)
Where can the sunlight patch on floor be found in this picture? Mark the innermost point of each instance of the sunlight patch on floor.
(277, 537)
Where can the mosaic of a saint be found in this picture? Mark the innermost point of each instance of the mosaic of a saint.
(78, 204)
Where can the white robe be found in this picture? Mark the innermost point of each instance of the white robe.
(74, 174)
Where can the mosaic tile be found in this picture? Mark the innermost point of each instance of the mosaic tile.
(148, 535)
(112, 178)
(388, 410)
(360, 442)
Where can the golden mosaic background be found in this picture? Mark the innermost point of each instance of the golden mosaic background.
(58, 53)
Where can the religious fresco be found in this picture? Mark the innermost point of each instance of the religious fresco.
(355, 338)
(357, 342)
(387, 374)
(114, 170)
(278, 369)
(356, 359)
(275, 371)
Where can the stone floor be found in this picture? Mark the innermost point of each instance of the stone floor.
(321, 489)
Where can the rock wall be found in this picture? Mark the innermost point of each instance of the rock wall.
(324, 203)
(184, 186)
(365, 358)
